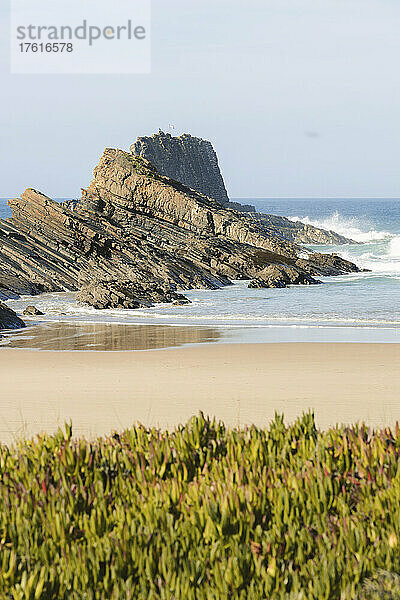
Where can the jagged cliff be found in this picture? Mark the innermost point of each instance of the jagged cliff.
(138, 237)
(189, 160)
(193, 162)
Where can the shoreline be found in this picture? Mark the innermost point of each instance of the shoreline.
(240, 384)
(87, 336)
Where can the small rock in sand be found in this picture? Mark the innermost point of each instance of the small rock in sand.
(181, 302)
(32, 311)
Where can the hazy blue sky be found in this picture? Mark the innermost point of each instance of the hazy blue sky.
(299, 97)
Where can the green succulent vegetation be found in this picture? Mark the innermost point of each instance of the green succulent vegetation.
(202, 512)
(382, 586)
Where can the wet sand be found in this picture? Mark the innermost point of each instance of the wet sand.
(110, 337)
(239, 383)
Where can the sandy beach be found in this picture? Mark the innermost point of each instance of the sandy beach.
(239, 383)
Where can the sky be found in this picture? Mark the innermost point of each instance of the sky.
(300, 98)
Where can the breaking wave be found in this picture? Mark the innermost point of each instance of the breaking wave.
(349, 227)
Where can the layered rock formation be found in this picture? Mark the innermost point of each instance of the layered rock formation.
(32, 311)
(127, 294)
(193, 162)
(9, 319)
(301, 233)
(279, 276)
(137, 237)
(189, 160)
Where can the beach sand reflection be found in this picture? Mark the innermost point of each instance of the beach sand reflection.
(106, 336)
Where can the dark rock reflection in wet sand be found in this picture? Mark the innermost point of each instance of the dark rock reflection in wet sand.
(106, 336)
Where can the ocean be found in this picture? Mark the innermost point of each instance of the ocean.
(355, 307)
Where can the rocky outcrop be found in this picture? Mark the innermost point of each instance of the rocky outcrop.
(12, 285)
(32, 311)
(127, 294)
(280, 276)
(189, 160)
(138, 237)
(193, 162)
(181, 301)
(9, 319)
(301, 233)
(325, 264)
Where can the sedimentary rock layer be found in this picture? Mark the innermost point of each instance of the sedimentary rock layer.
(189, 160)
(193, 162)
(138, 237)
(301, 233)
(9, 319)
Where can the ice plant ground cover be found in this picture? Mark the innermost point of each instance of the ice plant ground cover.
(203, 512)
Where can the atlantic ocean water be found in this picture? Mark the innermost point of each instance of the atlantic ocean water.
(356, 307)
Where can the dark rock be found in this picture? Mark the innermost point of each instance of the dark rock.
(326, 264)
(190, 160)
(7, 294)
(181, 301)
(32, 311)
(12, 286)
(259, 283)
(71, 204)
(9, 319)
(280, 276)
(126, 294)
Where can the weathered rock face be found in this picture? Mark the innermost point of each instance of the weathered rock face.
(325, 264)
(137, 237)
(9, 319)
(126, 294)
(301, 233)
(32, 311)
(193, 162)
(189, 160)
(11, 285)
(280, 276)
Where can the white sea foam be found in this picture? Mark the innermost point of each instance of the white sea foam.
(394, 247)
(382, 248)
(350, 227)
(381, 257)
